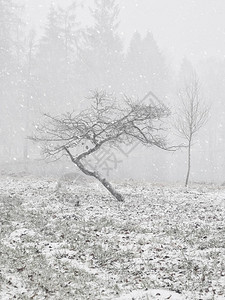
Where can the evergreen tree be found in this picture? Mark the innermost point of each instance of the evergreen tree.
(102, 52)
(55, 59)
(155, 70)
(10, 76)
(49, 61)
(146, 71)
(134, 64)
(29, 88)
(186, 71)
(145, 67)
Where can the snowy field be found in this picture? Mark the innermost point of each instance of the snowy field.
(76, 242)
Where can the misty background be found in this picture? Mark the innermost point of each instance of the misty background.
(53, 53)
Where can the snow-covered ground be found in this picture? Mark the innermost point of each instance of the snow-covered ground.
(163, 242)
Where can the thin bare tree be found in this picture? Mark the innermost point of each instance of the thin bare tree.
(107, 122)
(192, 115)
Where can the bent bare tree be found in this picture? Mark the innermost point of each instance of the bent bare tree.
(106, 123)
(193, 114)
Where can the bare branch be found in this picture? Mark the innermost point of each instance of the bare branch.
(107, 122)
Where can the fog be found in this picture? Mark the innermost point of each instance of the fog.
(189, 28)
(54, 53)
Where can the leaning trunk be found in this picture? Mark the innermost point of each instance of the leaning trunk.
(109, 187)
(103, 181)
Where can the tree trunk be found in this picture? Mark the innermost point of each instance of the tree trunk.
(189, 164)
(110, 188)
(103, 181)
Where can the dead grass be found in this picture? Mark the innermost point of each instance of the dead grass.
(161, 237)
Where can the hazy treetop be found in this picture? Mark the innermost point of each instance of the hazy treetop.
(185, 28)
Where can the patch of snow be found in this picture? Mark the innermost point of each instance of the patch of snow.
(157, 294)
